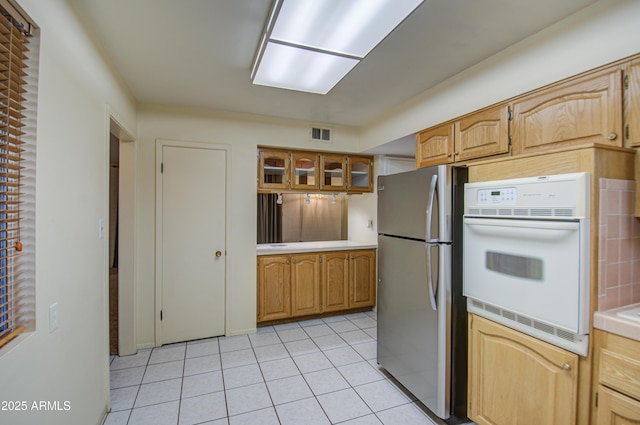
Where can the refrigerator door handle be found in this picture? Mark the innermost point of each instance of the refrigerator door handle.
(432, 294)
(432, 195)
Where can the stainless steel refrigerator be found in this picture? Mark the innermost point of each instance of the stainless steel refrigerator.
(422, 332)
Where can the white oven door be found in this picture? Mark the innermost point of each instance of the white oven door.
(529, 267)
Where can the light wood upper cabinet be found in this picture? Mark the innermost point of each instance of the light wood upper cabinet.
(481, 134)
(517, 379)
(580, 111)
(304, 171)
(484, 133)
(274, 287)
(633, 119)
(282, 170)
(617, 383)
(362, 278)
(305, 284)
(335, 281)
(274, 170)
(360, 173)
(435, 146)
(334, 172)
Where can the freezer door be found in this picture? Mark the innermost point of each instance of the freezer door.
(404, 199)
(413, 338)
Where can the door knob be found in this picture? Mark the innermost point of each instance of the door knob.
(218, 254)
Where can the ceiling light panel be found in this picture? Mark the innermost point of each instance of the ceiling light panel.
(348, 27)
(300, 69)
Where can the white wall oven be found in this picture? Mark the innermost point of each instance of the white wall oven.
(526, 256)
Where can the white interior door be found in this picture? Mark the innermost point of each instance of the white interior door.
(192, 228)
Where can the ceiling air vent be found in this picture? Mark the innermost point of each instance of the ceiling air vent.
(319, 134)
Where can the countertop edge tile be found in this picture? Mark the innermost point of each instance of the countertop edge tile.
(301, 247)
(609, 321)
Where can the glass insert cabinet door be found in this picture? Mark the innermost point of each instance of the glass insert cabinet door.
(274, 170)
(334, 172)
(305, 171)
(360, 175)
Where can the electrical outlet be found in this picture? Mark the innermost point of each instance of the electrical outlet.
(53, 317)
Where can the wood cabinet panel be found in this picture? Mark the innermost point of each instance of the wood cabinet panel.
(620, 372)
(360, 174)
(482, 134)
(617, 380)
(305, 284)
(633, 119)
(517, 379)
(304, 171)
(435, 146)
(274, 170)
(274, 287)
(333, 170)
(362, 272)
(335, 281)
(585, 110)
(616, 409)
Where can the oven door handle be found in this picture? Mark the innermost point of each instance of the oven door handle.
(431, 290)
(514, 228)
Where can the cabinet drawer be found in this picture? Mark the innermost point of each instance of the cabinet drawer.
(620, 373)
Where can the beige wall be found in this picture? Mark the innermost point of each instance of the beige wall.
(70, 364)
(242, 133)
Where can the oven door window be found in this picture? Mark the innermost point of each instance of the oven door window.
(515, 265)
(529, 267)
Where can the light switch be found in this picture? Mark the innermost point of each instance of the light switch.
(101, 228)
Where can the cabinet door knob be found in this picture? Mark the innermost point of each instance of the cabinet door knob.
(566, 367)
(218, 254)
(612, 136)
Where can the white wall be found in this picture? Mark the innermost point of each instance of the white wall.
(242, 133)
(70, 364)
(602, 33)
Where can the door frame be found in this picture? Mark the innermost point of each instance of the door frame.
(127, 238)
(160, 143)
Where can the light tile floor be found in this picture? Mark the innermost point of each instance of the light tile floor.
(320, 371)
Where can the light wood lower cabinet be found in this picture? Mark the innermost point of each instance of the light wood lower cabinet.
(617, 409)
(617, 380)
(517, 379)
(274, 283)
(362, 279)
(335, 281)
(305, 284)
(296, 285)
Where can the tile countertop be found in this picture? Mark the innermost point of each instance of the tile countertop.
(298, 247)
(610, 321)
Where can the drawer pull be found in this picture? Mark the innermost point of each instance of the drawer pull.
(612, 136)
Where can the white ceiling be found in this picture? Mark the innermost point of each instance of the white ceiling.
(198, 53)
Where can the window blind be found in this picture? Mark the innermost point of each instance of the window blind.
(13, 88)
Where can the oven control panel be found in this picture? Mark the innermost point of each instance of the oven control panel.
(559, 196)
(502, 196)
